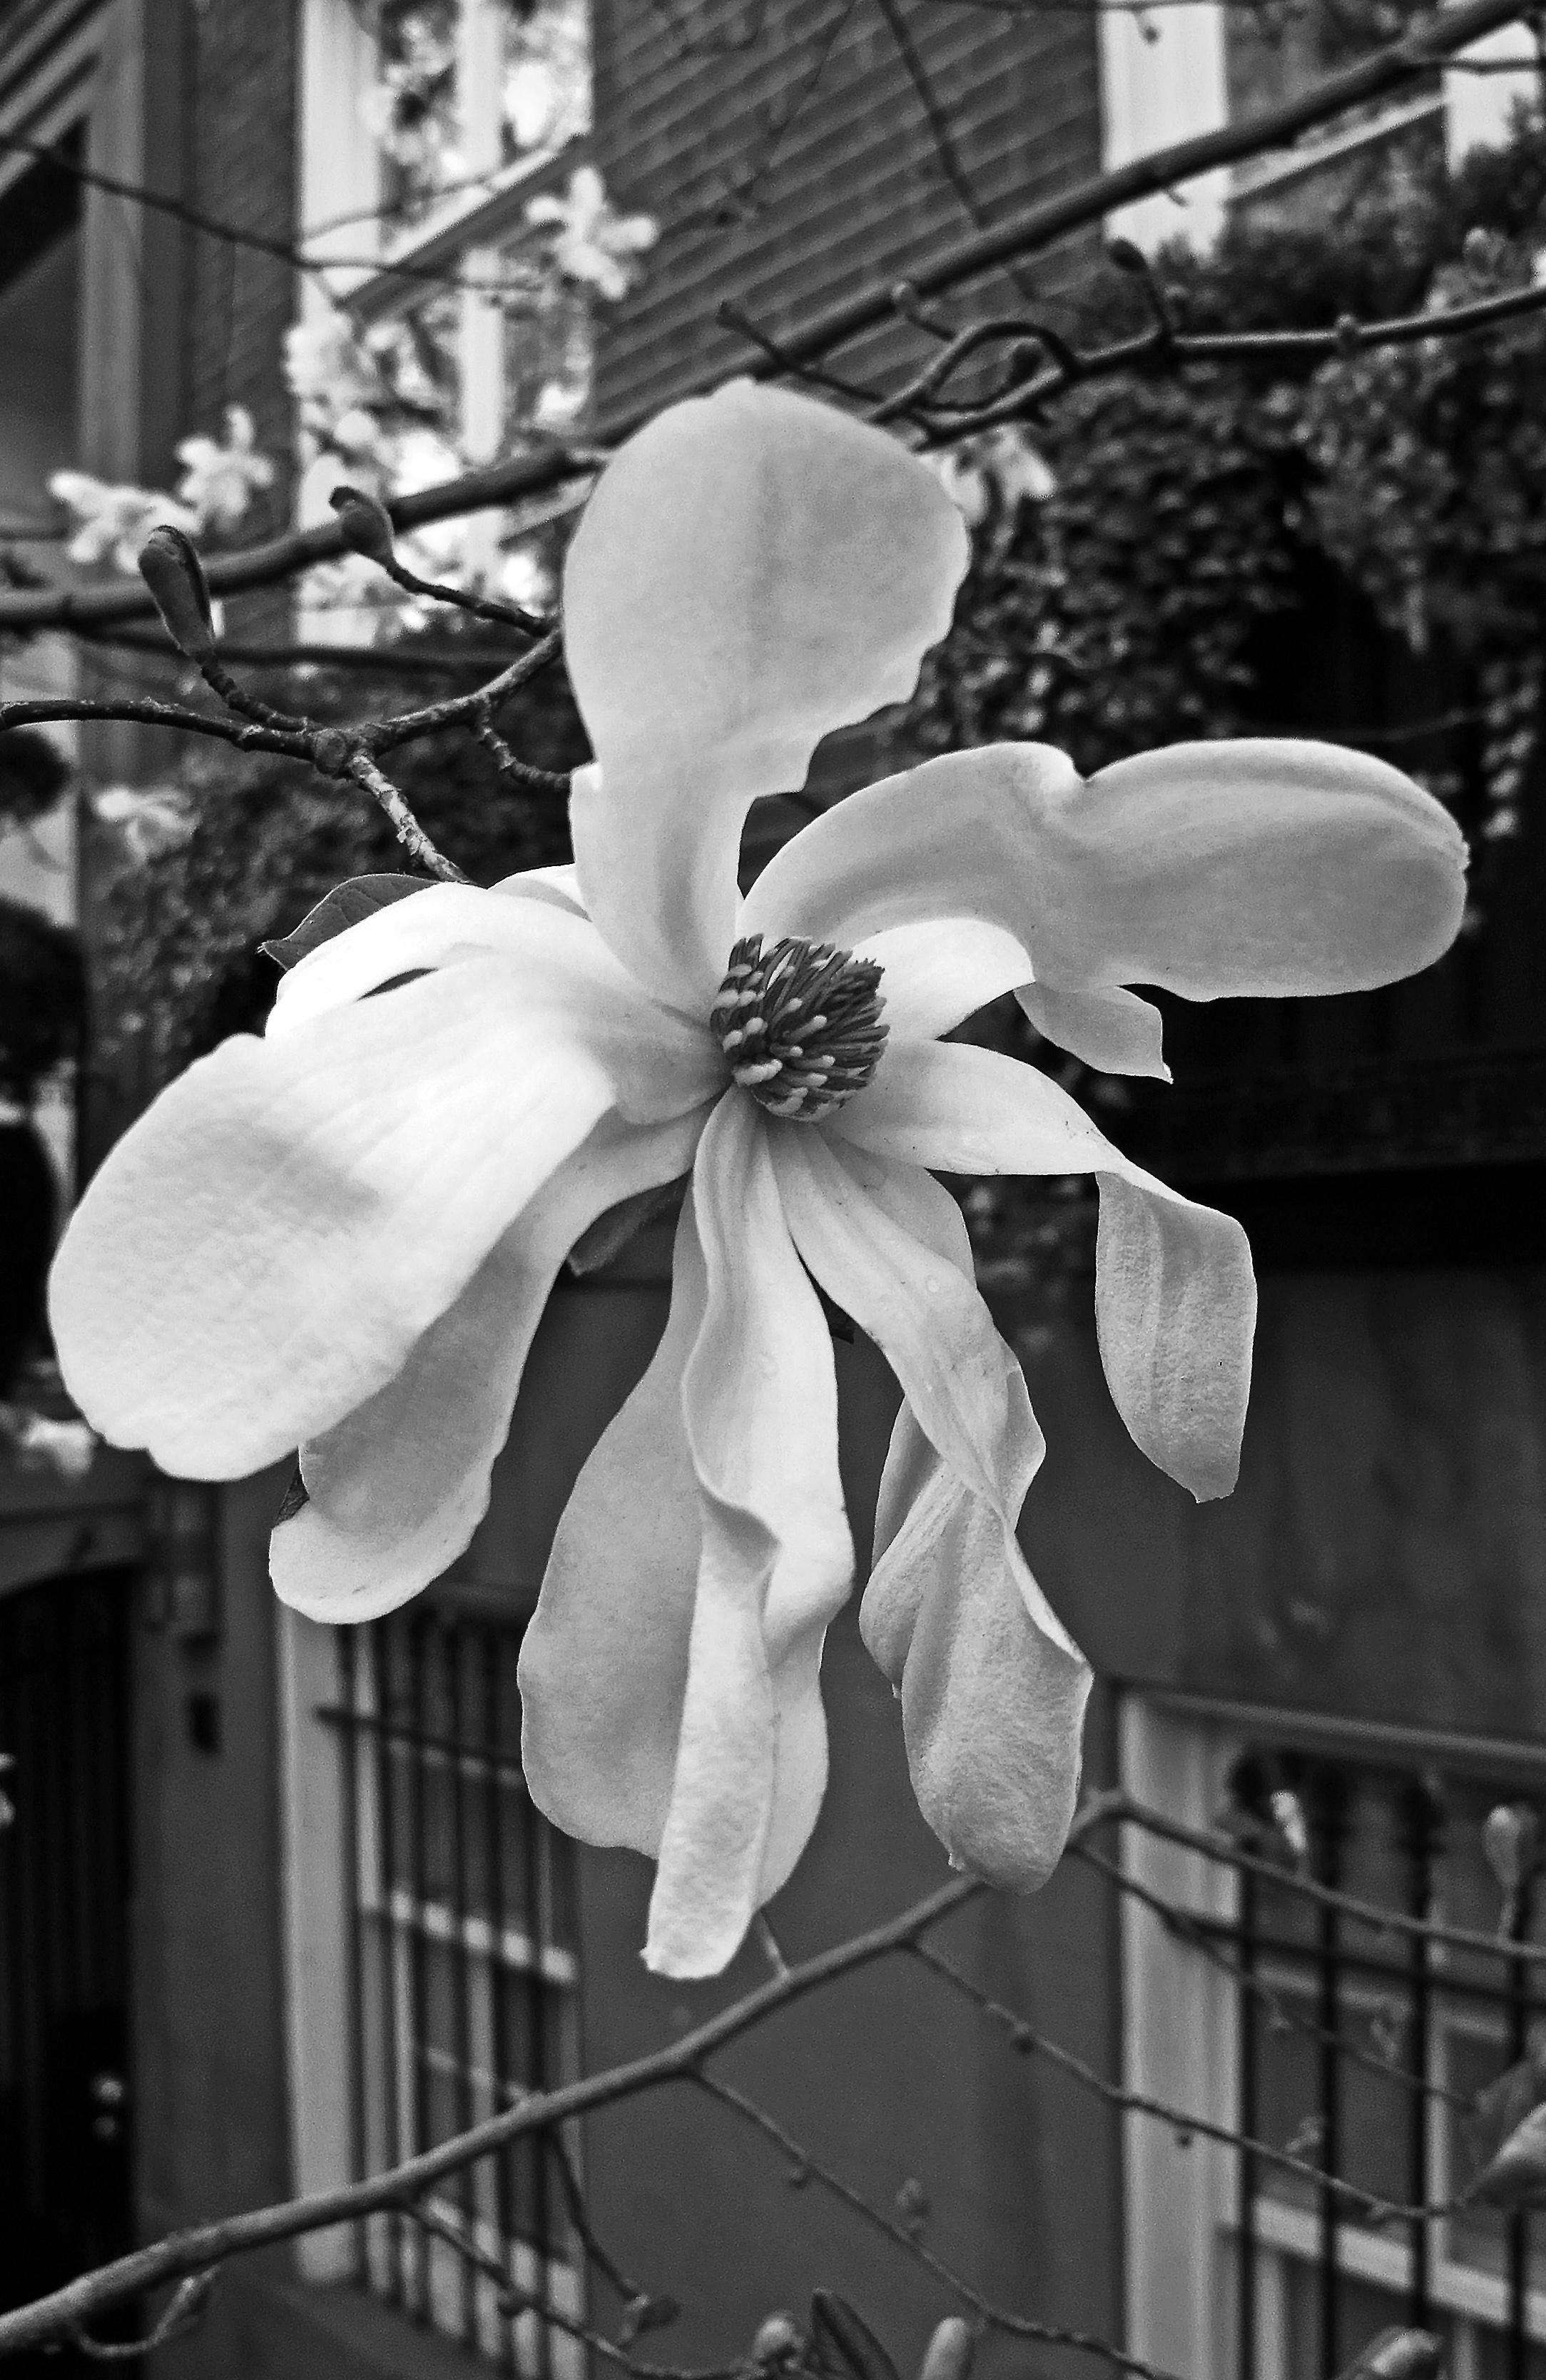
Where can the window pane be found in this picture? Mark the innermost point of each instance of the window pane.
(547, 74)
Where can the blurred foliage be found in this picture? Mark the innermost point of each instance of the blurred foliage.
(1136, 604)
(178, 951)
(1157, 585)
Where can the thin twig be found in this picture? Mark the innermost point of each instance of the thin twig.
(1028, 230)
(205, 2245)
(806, 2167)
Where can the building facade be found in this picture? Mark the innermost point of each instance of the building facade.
(335, 1930)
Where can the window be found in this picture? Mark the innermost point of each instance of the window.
(428, 128)
(1358, 2049)
(1172, 72)
(434, 1965)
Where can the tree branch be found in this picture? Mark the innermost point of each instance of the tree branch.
(209, 2244)
(1023, 233)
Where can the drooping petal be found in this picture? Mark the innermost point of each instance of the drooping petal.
(398, 1486)
(754, 570)
(671, 1675)
(262, 1250)
(661, 1062)
(1114, 1031)
(938, 974)
(1259, 866)
(1175, 1292)
(993, 1687)
(604, 1661)
(870, 1231)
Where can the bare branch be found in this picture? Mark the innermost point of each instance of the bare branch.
(206, 2246)
(1025, 232)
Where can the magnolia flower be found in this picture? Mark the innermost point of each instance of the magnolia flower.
(39, 1442)
(343, 1235)
(1002, 459)
(594, 241)
(116, 521)
(219, 481)
(153, 819)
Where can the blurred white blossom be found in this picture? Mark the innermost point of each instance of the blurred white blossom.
(114, 522)
(39, 1443)
(592, 241)
(152, 819)
(220, 481)
(999, 463)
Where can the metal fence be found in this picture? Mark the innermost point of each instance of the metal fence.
(464, 1977)
(1382, 1986)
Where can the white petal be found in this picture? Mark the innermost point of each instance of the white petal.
(1175, 1296)
(660, 1063)
(559, 886)
(262, 1250)
(1115, 1031)
(398, 1486)
(992, 1686)
(871, 1232)
(671, 1672)
(938, 974)
(1257, 867)
(753, 570)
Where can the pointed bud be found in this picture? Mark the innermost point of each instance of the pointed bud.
(1511, 1841)
(170, 566)
(948, 2355)
(1516, 2176)
(1397, 2354)
(1127, 256)
(365, 522)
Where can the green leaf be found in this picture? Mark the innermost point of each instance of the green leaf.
(1516, 2176)
(348, 905)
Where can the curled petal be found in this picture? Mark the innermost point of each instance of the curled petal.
(1114, 1031)
(397, 1487)
(938, 974)
(1259, 866)
(753, 570)
(1175, 1294)
(555, 962)
(872, 1232)
(671, 1678)
(262, 1251)
(993, 1687)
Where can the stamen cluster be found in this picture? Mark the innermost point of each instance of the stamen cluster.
(801, 1024)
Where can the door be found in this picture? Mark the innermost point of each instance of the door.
(65, 2147)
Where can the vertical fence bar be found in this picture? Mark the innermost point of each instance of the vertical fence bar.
(460, 1951)
(1330, 1815)
(387, 1935)
(491, 1644)
(420, 1629)
(346, 1652)
(1245, 2163)
(539, 1933)
(1518, 1988)
(1420, 1827)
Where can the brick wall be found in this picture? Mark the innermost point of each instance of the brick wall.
(787, 204)
(243, 79)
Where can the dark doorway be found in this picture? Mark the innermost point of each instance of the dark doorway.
(65, 2105)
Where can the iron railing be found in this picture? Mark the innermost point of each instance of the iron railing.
(463, 1976)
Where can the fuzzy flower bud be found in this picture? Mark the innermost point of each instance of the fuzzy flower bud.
(365, 522)
(170, 566)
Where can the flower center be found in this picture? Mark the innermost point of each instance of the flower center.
(801, 1024)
